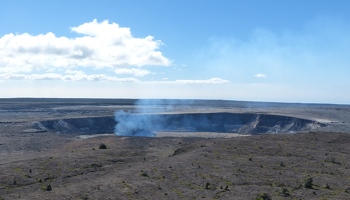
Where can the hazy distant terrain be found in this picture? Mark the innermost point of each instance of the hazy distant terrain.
(50, 149)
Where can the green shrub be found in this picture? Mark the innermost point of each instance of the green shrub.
(285, 192)
(48, 188)
(308, 183)
(102, 146)
(263, 196)
(327, 187)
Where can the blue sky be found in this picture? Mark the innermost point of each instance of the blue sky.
(280, 51)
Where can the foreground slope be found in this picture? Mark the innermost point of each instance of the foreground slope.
(307, 166)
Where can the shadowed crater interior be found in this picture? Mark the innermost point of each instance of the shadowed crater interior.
(133, 124)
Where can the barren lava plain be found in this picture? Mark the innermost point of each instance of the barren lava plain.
(51, 149)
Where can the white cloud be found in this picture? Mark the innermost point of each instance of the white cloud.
(72, 75)
(260, 75)
(100, 48)
(132, 71)
(69, 71)
(66, 77)
(207, 81)
(101, 45)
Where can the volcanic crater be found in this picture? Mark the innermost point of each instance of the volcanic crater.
(133, 124)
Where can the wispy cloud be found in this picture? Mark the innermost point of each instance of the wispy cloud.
(132, 71)
(319, 51)
(101, 45)
(260, 75)
(205, 81)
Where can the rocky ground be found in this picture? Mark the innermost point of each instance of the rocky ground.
(46, 165)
